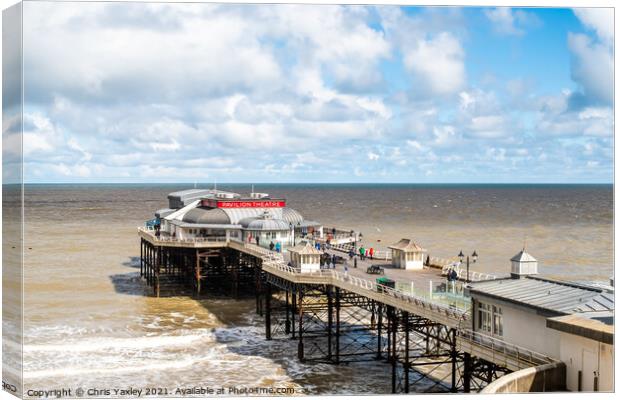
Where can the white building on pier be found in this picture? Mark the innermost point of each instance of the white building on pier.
(569, 322)
(209, 214)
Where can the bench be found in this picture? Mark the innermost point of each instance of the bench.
(375, 269)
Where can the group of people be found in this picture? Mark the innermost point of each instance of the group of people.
(329, 262)
(363, 252)
(277, 246)
(452, 275)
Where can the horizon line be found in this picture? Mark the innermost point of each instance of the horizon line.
(307, 183)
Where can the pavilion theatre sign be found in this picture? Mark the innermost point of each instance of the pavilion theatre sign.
(243, 203)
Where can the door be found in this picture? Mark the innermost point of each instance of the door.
(589, 370)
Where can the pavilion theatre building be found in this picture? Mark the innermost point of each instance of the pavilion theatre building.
(214, 214)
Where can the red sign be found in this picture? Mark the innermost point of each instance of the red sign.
(244, 203)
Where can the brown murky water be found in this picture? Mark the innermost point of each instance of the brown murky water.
(89, 324)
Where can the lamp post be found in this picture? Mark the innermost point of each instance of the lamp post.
(474, 258)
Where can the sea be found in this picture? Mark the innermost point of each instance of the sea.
(90, 323)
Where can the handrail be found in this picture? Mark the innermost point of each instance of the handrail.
(474, 276)
(368, 285)
(169, 239)
(508, 349)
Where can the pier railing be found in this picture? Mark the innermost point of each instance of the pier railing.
(165, 238)
(500, 351)
(474, 276)
(371, 289)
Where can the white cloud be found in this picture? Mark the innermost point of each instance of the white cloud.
(438, 64)
(592, 67)
(373, 156)
(507, 21)
(601, 20)
(503, 21)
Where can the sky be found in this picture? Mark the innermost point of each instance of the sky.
(138, 92)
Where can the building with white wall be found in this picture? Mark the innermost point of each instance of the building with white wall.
(587, 348)
(407, 254)
(519, 309)
(256, 218)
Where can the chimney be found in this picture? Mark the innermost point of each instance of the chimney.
(523, 264)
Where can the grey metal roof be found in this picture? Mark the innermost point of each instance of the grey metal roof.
(204, 226)
(263, 224)
(291, 216)
(201, 215)
(164, 212)
(237, 214)
(555, 296)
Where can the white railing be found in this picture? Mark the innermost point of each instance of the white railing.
(498, 346)
(169, 239)
(474, 276)
(348, 280)
(444, 262)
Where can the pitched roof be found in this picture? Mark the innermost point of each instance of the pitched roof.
(305, 248)
(523, 256)
(555, 296)
(406, 245)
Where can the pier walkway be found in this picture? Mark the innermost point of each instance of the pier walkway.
(405, 297)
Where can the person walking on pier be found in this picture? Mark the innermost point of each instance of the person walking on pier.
(371, 252)
(257, 240)
(351, 253)
(362, 252)
(271, 245)
(278, 247)
(365, 253)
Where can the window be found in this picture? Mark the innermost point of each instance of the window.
(490, 319)
(484, 317)
(498, 325)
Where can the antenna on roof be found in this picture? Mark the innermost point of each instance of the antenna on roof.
(524, 242)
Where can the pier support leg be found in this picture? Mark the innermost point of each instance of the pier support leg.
(389, 334)
(235, 280)
(467, 373)
(300, 346)
(394, 326)
(157, 270)
(379, 326)
(259, 290)
(268, 311)
(141, 257)
(406, 362)
(287, 323)
(337, 325)
(330, 322)
(197, 275)
(453, 354)
(293, 311)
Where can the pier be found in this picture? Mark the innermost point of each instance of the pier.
(339, 316)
